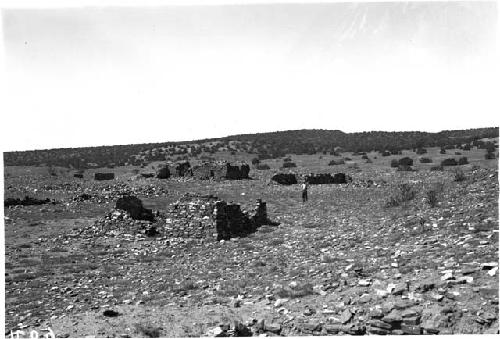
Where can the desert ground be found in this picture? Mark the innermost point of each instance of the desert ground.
(348, 261)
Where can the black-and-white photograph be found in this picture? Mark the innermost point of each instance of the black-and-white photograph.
(229, 168)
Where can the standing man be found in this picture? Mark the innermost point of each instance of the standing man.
(304, 191)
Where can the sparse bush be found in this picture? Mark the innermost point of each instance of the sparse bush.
(463, 161)
(425, 160)
(52, 171)
(149, 331)
(432, 194)
(449, 162)
(459, 175)
(489, 156)
(353, 165)
(402, 194)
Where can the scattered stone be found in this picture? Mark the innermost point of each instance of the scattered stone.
(346, 316)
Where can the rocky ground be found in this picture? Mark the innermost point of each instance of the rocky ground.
(343, 262)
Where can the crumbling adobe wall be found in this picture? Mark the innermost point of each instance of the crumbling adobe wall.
(221, 170)
(327, 178)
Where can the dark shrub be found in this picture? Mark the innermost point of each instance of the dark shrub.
(386, 153)
(421, 151)
(289, 165)
(336, 162)
(394, 163)
(369, 161)
(463, 161)
(489, 156)
(288, 159)
(347, 159)
(442, 151)
(459, 175)
(425, 160)
(255, 161)
(263, 167)
(437, 168)
(406, 161)
(364, 157)
(104, 176)
(449, 162)
(458, 153)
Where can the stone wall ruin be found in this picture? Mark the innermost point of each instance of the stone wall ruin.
(220, 170)
(327, 178)
(207, 217)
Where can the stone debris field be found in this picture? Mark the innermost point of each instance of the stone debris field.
(221, 250)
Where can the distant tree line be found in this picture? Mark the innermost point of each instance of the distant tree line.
(264, 145)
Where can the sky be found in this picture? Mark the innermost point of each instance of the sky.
(87, 76)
